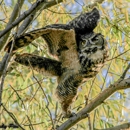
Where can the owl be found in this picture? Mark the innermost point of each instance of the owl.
(80, 53)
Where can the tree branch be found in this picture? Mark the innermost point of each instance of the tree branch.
(9, 126)
(94, 3)
(118, 85)
(34, 7)
(24, 25)
(4, 39)
(29, 19)
(22, 17)
(124, 126)
(5, 70)
(14, 15)
(124, 73)
(13, 117)
(2, 64)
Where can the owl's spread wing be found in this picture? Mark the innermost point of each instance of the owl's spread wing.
(26, 39)
(61, 43)
(53, 36)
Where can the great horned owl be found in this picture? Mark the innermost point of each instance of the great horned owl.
(80, 51)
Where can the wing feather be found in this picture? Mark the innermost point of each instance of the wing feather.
(61, 43)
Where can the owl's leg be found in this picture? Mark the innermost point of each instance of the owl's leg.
(67, 91)
(46, 66)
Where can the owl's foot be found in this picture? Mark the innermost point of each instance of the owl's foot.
(72, 114)
(68, 115)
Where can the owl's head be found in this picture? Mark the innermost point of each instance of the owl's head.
(93, 42)
(93, 53)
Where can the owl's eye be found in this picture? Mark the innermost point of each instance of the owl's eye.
(83, 42)
(95, 39)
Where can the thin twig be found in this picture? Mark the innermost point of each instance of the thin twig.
(36, 6)
(47, 105)
(94, 3)
(1, 2)
(89, 122)
(13, 117)
(23, 106)
(14, 15)
(9, 126)
(124, 73)
(91, 87)
(4, 71)
(22, 17)
(34, 94)
(95, 112)
(60, 12)
(34, 124)
(107, 71)
(125, 126)
(118, 55)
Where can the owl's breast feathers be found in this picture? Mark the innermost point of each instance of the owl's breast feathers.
(93, 53)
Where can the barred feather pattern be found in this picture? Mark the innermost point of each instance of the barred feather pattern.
(80, 52)
(43, 65)
(84, 24)
(91, 56)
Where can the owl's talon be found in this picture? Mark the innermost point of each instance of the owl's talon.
(73, 114)
(69, 115)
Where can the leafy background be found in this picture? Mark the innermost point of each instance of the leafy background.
(23, 95)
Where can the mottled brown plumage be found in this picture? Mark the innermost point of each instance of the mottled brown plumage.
(80, 54)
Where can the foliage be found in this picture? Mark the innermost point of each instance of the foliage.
(22, 93)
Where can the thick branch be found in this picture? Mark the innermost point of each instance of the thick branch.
(29, 19)
(14, 15)
(22, 17)
(3, 40)
(118, 85)
(34, 7)
(25, 24)
(2, 64)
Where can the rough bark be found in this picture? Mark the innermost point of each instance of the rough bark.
(14, 15)
(34, 7)
(22, 28)
(82, 114)
(118, 85)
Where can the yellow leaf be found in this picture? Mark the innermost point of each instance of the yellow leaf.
(126, 16)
